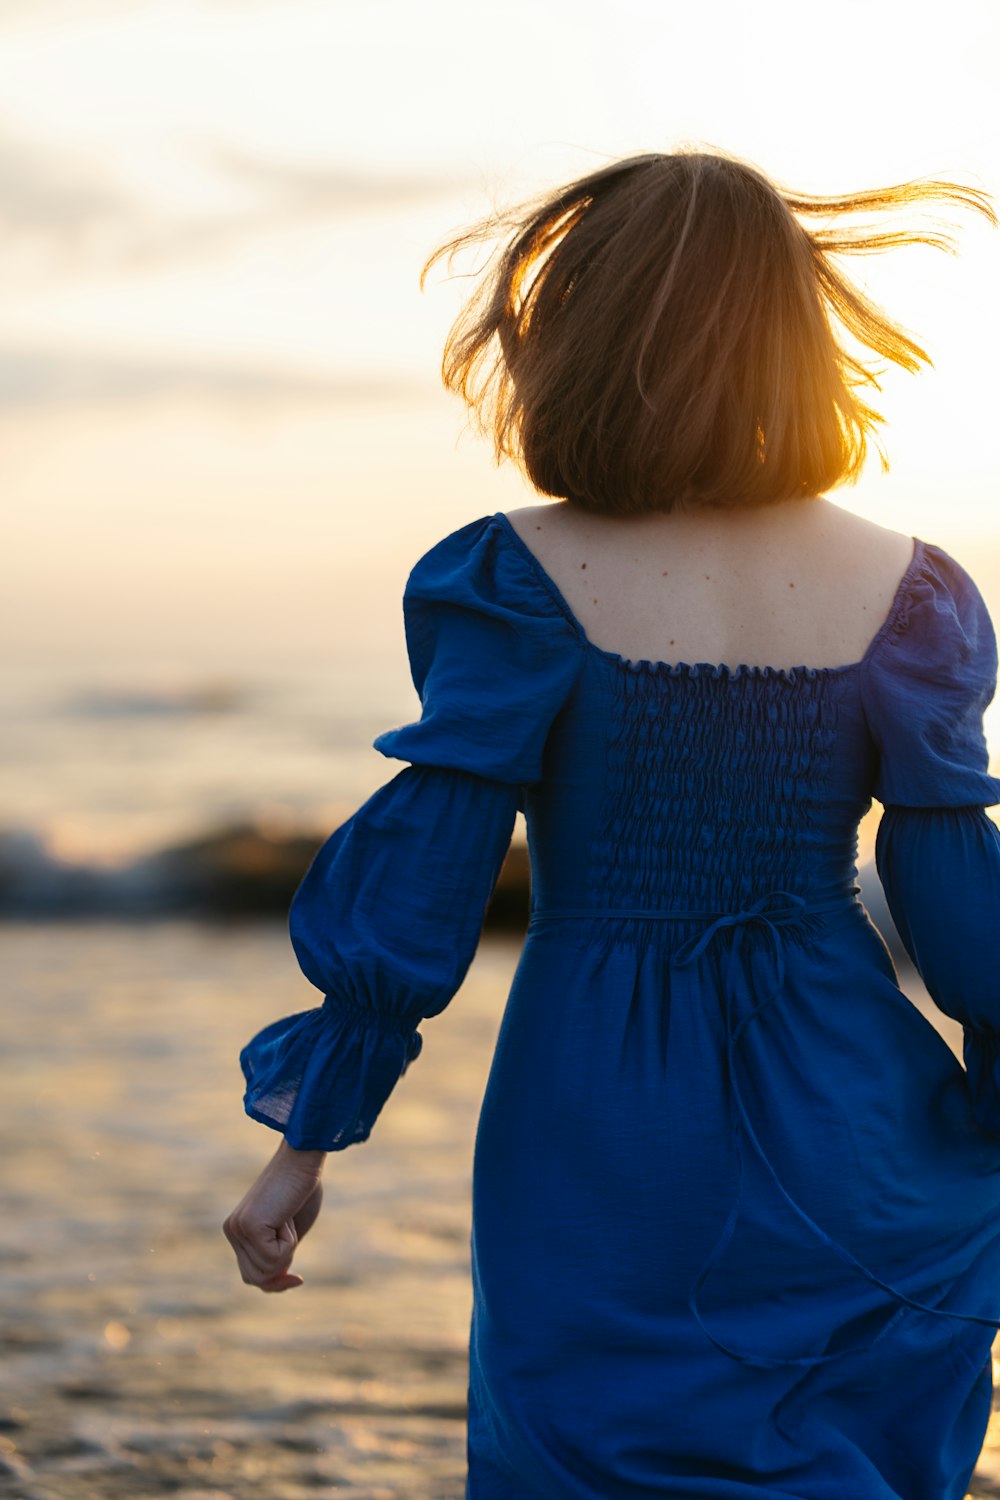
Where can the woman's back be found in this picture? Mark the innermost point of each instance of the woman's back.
(800, 583)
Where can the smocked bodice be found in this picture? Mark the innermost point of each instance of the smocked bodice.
(699, 787)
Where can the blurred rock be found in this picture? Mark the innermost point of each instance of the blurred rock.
(239, 871)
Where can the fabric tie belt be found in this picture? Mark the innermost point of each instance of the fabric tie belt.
(774, 910)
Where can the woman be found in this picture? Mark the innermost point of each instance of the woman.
(736, 1205)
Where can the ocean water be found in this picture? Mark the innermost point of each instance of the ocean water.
(104, 770)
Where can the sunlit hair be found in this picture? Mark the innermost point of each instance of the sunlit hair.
(665, 334)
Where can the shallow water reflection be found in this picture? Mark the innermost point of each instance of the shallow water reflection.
(134, 1361)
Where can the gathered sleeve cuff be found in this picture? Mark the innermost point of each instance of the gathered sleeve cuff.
(385, 923)
(981, 1055)
(322, 1076)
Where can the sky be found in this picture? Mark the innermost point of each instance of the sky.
(222, 431)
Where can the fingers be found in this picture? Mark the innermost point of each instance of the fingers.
(265, 1227)
(263, 1253)
(283, 1283)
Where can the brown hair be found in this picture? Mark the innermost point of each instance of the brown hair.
(660, 334)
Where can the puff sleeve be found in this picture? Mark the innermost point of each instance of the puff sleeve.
(937, 852)
(926, 687)
(492, 658)
(388, 916)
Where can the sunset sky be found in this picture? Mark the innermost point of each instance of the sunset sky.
(222, 433)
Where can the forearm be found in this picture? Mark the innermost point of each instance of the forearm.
(309, 1160)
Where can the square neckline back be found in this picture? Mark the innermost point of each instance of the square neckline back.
(701, 668)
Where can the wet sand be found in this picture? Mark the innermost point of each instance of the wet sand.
(134, 1362)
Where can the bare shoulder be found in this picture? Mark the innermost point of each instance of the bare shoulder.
(530, 519)
(543, 530)
(866, 562)
(549, 529)
(863, 527)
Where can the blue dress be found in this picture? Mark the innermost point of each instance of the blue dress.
(736, 1204)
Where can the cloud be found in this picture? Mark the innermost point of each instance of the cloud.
(45, 195)
(288, 193)
(61, 214)
(39, 378)
(331, 189)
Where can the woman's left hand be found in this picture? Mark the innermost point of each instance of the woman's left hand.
(267, 1224)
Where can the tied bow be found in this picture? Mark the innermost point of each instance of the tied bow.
(768, 910)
